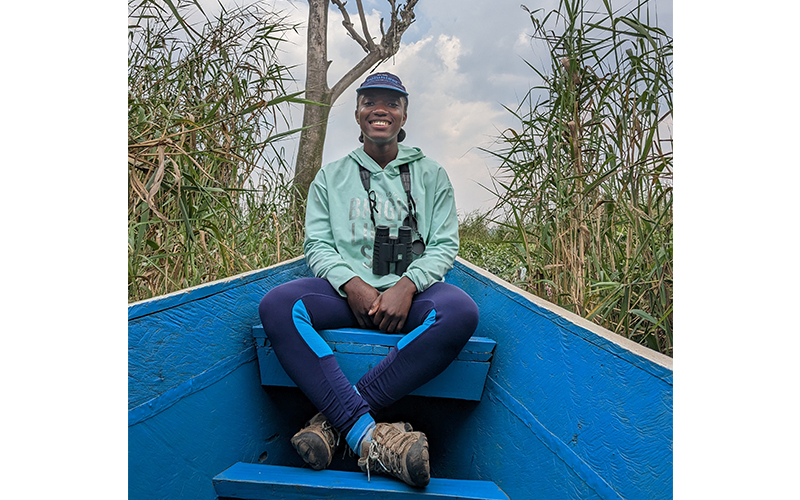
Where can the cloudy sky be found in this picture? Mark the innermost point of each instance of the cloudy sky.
(460, 61)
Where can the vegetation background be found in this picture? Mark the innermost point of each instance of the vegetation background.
(65, 308)
(584, 217)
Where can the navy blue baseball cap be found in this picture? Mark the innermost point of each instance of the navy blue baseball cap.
(383, 81)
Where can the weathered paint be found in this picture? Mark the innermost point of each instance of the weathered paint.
(598, 406)
(175, 453)
(569, 411)
(266, 482)
(173, 338)
(196, 404)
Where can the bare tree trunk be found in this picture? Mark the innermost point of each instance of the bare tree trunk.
(312, 139)
(315, 118)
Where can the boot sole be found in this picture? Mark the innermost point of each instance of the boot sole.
(308, 445)
(418, 464)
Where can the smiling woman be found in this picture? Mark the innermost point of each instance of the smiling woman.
(381, 112)
(381, 115)
(366, 278)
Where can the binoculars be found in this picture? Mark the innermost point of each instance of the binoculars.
(391, 253)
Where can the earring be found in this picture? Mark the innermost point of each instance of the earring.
(401, 135)
(361, 137)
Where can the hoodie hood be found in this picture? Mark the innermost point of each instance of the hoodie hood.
(405, 154)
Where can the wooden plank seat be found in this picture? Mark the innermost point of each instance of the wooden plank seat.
(359, 350)
(260, 482)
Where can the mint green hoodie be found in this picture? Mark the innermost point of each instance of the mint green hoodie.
(339, 231)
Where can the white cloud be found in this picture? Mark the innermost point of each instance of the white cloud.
(523, 41)
(409, 52)
(449, 49)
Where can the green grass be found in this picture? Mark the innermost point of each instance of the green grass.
(209, 188)
(584, 215)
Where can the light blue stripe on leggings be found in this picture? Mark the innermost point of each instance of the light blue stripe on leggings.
(416, 332)
(302, 321)
(361, 429)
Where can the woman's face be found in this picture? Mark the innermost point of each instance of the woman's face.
(380, 114)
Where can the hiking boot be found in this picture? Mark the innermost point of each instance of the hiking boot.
(397, 450)
(316, 442)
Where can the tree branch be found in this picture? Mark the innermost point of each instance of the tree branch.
(348, 25)
(359, 69)
(390, 42)
(363, 17)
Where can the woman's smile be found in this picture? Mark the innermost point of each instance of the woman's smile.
(380, 114)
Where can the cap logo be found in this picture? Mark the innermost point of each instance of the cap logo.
(383, 81)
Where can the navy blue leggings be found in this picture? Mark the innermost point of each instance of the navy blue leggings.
(440, 322)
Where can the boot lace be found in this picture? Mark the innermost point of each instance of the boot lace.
(331, 433)
(388, 456)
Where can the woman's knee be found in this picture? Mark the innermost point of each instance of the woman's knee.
(461, 310)
(274, 301)
(276, 306)
(457, 318)
(470, 313)
(284, 296)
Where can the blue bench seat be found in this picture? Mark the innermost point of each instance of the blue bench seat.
(358, 350)
(262, 482)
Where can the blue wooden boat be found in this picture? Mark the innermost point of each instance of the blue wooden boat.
(553, 406)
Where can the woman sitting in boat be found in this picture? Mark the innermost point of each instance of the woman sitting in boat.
(381, 232)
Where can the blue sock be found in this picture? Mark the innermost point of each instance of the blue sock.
(359, 432)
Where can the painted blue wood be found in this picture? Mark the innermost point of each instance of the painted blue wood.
(196, 404)
(173, 338)
(263, 482)
(174, 454)
(573, 410)
(476, 349)
(568, 411)
(357, 351)
(196, 384)
(285, 271)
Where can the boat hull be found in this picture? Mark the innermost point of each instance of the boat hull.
(569, 410)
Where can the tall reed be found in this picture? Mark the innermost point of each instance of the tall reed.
(585, 182)
(208, 184)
